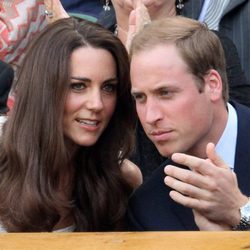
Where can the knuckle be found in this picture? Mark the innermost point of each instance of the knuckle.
(188, 177)
(212, 186)
(184, 190)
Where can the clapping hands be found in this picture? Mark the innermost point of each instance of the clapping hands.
(138, 18)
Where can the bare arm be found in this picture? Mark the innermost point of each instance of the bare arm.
(54, 10)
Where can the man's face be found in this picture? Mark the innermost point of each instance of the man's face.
(175, 114)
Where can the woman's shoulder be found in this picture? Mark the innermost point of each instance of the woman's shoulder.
(131, 173)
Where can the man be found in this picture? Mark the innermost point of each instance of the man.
(146, 155)
(180, 88)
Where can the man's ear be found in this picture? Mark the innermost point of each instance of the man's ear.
(213, 85)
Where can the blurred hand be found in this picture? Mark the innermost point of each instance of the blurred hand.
(138, 18)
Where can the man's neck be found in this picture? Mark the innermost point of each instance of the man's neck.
(217, 127)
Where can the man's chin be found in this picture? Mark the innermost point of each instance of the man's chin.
(164, 150)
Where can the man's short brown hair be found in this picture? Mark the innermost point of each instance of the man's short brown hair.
(199, 47)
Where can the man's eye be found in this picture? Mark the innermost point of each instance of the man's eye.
(138, 97)
(165, 93)
(77, 86)
(109, 88)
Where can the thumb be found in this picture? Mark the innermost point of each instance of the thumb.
(142, 17)
(137, 3)
(214, 157)
(132, 22)
(131, 28)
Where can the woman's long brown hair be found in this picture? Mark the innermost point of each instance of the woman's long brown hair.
(34, 159)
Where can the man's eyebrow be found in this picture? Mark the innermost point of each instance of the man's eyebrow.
(135, 92)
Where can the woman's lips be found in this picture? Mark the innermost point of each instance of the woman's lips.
(89, 124)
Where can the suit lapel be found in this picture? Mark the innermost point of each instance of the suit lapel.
(232, 4)
(185, 216)
(242, 156)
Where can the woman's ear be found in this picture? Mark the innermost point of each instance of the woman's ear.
(213, 83)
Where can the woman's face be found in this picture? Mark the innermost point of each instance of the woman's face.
(91, 97)
(156, 8)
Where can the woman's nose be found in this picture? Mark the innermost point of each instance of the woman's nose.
(95, 101)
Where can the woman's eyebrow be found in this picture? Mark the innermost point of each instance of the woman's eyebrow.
(80, 78)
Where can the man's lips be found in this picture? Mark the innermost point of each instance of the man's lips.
(161, 135)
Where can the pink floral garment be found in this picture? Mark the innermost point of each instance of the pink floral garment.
(20, 20)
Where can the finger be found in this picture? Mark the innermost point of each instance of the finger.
(214, 157)
(194, 163)
(131, 29)
(132, 23)
(185, 200)
(190, 177)
(142, 17)
(186, 189)
(137, 3)
(132, 19)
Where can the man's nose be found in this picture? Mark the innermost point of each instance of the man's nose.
(152, 112)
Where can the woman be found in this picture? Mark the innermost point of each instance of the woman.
(67, 136)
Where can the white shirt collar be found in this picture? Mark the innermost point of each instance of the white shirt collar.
(226, 146)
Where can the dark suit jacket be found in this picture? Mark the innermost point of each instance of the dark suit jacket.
(150, 207)
(235, 24)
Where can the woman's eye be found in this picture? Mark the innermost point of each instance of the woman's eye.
(77, 86)
(109, 88)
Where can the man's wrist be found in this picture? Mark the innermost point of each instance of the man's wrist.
(243, 221)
